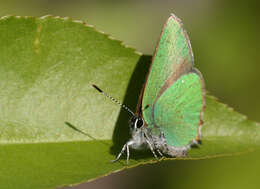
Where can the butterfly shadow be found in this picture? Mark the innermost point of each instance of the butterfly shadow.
(121, 132)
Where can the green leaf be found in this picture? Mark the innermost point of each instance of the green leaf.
(55, 129)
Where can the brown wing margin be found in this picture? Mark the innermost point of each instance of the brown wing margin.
(139, 111)
(196, 71)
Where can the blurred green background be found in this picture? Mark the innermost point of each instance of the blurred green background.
(225, 40)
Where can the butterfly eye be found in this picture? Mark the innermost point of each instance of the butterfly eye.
(139, 123)
(132, 122)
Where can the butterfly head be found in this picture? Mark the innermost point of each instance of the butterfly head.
(136, 123)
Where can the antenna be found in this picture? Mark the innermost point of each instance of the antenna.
(114, 100)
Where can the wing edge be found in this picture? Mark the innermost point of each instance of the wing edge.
(174, 17)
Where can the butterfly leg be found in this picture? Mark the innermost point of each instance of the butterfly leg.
(129, 143)
(151, 148)
(159, 152)
(120, 154)
(125, 147)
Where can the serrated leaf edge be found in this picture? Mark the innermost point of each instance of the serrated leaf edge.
(79, 22)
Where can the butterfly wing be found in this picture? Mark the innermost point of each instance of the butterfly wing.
(178, 111)
(172, 58)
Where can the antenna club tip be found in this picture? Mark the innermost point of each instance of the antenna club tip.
(97, 88)
(111, 98)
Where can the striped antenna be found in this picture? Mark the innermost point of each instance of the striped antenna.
(114, 100)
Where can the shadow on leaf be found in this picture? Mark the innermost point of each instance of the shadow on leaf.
(121, 133)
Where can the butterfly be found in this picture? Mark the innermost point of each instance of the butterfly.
(170, 110)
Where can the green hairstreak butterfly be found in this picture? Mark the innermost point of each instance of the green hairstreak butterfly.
(171, 105)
